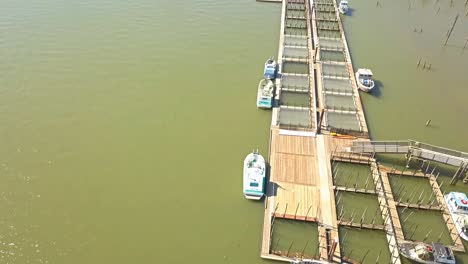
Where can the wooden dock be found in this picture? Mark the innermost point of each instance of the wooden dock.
(327, 200)
(414, 173)
(360, 225)
(420, 206)
(300, 186)
(457, 242)
(354, 190)
(394, 232)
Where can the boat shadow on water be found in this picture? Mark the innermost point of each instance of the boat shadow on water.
(350, 12)
(377, 90)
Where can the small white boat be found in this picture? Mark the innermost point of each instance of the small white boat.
(364, 79)
(269, 72)
(254, 176)
(427, 254)
(343, 7)
(457, 204)
(265, 94)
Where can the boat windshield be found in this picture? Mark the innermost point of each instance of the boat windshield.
(253, 184)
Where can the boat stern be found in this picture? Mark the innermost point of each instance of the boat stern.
(252, 197)
(264, 104)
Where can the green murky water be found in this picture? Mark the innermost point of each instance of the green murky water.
(124, 124)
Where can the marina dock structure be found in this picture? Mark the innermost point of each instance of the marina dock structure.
(301, 185)
(318, 119)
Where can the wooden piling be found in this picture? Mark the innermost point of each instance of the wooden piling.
(451, 29)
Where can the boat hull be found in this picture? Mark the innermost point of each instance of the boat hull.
(455, 217)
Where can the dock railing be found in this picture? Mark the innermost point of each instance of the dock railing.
(414, 149)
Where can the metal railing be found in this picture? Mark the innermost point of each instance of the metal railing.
(401, 146)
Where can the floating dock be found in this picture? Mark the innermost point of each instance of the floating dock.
(318, 118)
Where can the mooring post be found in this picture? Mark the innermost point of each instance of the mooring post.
(419, 198)
(362, 217)
(335, 175)
(378, 257)
(341, 218)
(427, 235)
(440, 236)
(295, 213)
(305, 219)
(408, 217)
(355, 182)
(409, 196)
(365, 255)
(451, 29)
(414, 231)
(289, 249)
(423, 199)
(303, 250)
(367, 182)
(404, 209)
(277, 243)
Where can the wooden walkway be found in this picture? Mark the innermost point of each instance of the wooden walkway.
(354, 190)
(360, 225)
(420, 206)
(327, 200)
(394, 232)
(414, 173)
(457, 242)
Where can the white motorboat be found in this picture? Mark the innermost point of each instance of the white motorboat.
(270, 70)
(343, 7)
(457, 204)
(364, 79)
(254, 176)
(420, 252)
(265, 94)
